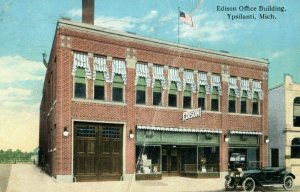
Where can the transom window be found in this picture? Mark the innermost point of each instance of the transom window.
(86, 131)
(111, 132)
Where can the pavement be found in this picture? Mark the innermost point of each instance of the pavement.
(29, 178)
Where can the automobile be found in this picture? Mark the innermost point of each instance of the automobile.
(262, 177)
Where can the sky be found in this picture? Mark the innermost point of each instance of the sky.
(27, 29)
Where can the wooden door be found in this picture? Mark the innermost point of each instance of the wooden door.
(85, 152)
(170, 161)
(110, 158)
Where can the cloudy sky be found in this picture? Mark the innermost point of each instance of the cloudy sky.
(28, 26)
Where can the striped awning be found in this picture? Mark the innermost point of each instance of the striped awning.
(246, 132)
(176, 129)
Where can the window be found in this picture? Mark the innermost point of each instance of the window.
(215, 99)
(255, 107)
(80, 84)
(231, 101)
(148, 159)
(99, 88)
(117, 88)
(157, 93)
(295, 148)
(208, 158)
(296, 116)
(187, 97)
(172, 102)
(201, 97)
(244, 102)
(141, 91)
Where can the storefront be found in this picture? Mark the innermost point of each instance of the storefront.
(162, 151)
(244, 150)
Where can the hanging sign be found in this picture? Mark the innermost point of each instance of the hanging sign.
(191, 114)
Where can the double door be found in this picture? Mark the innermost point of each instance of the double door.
(170, 161)
(97, 152)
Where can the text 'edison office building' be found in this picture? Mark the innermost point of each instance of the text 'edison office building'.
(117, 105)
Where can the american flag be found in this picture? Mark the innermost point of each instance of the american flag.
(186, 18)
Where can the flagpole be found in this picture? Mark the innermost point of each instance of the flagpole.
(178, 25)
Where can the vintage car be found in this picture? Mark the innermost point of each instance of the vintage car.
(249, 179)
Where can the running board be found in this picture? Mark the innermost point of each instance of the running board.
(273, 185)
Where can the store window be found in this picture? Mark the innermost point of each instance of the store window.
(255, 106)
(208, 159)
(172, 99)
(187, 97)
(148, 159)
(295, 148)
(201, 97)
(215, 99)
(157, 93)
(141, 91)
(80, 83)
(244, 157)
(296, 116)
(189, 159)
(244, 102)
(118, 84)
(231, 101)
(99, 86)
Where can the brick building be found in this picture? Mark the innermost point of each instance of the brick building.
(117, 105)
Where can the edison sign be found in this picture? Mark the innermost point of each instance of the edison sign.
(191, 114)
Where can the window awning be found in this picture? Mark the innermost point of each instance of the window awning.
(100, 66)
(119, 67)
(174, 77)
(158, 74)
(246, 132)
(202, 80)
(142, 71)
(176, 129)
(188, 78)
(81, 60)
(216, 82)
(245, 86)
(233, 85)
(256, 87)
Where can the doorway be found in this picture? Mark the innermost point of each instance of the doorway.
(97, 151)
(170, 160)
(274, 157)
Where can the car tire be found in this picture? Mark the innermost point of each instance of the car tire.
(288, 183)
(229, 184)
(248, 184)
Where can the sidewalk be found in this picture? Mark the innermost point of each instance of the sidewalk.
(25, 178)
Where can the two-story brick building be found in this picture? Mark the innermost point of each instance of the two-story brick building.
(117, 105)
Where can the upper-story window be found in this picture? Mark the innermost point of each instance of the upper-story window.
(245, 94)
(203, 90)
(141, 91)
(255, 107)
(99, 86)
(80, 71)
(80, 84)
(157, 93)
(158, 84)
(174, 86)
(119, 79)
(296, 115)
(142, 80)
(231, 101)
(233, 93)
(216, 91)
(189, 87)
(244, 102)
(295, 148)
(100, 76)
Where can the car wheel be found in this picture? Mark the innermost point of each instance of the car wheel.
(248, 184)
(288, 183)
(229, 184)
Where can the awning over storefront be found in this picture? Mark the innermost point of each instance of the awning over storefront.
(176, 129)
(246, 132)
